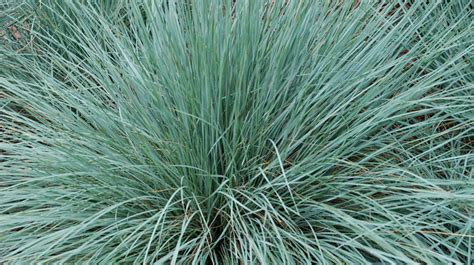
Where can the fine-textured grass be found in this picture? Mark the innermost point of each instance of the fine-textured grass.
(237, 132)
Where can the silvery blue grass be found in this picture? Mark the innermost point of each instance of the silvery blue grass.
(237, 132)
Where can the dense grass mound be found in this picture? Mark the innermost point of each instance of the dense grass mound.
(215, 132)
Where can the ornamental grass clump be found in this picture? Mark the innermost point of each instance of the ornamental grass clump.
(237, 132)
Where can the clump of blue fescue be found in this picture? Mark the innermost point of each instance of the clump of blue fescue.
(237, 132)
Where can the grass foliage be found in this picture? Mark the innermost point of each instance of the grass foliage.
(246, 132)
